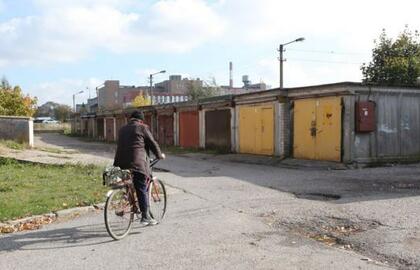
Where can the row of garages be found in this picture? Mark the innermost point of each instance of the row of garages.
(343, 122)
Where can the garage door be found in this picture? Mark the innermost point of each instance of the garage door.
(256, 129)
(188, 129)
(218, 129)
(317, 129)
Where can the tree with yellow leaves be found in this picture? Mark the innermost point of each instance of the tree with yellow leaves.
(141, 101)
(14, 102)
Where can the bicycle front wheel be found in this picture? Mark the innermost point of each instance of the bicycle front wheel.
(157, 199)
(119, 214)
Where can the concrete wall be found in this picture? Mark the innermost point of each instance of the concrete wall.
(20, 129)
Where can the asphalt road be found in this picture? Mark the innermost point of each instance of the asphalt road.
(223, 214)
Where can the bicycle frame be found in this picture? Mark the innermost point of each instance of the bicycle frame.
(128, 184)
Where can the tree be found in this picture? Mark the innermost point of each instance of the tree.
(209, 88)
(14, 102)
(141, 100)
(46, 109)
(55, 110)
(394, 63)
(62, 112)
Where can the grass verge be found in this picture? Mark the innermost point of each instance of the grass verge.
(28, 189)
(13, 145)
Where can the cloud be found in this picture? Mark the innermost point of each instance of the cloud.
(62, 90)
(273, 20)
(70, 31)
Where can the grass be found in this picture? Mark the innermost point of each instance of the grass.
(31, 189)
(13, 144)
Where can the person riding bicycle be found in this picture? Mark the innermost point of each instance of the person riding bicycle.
(135, 141)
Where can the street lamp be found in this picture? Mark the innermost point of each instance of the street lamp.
(281, 57)
(74, 99)
(151, 84)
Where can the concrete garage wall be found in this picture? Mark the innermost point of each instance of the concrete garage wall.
(397, 134)
(20, 129)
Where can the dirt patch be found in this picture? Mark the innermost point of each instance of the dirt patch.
(333, 231)
(343, 233)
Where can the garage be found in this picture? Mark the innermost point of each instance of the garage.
(218, 129)
(256, 129)
(166, 129)
(188, 129)
(317, 129)
(109, 129)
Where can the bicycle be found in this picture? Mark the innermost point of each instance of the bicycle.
(121, 204)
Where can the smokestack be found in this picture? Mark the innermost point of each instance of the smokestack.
(230, 75)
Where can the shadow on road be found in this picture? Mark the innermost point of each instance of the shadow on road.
(88, 235)
(306, 182)
(334, 186)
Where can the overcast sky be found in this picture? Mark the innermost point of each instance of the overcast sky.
(53, 48)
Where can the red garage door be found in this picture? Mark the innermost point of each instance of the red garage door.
(188, 129)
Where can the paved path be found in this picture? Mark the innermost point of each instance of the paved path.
(230, 215)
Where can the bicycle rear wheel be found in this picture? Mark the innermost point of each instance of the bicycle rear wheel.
(119, 214)
(157, 199)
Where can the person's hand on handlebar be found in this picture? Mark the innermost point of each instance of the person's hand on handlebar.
(163, 156)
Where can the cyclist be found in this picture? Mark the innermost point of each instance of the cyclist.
(135, 141)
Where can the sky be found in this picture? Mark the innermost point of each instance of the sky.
(55, 48)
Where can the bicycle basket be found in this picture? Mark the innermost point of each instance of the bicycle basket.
(114, 176)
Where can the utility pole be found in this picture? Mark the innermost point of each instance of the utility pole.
(151, 85)
(74, 99)
(281, 64)
(281, 50)
(150, 90)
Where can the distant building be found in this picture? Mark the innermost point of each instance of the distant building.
(174, 90)
(112, 95)
(176, 85)
(248, 87)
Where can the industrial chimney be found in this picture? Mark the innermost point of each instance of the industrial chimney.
(230, 75)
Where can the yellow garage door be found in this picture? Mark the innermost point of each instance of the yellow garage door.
(256, 129)
(317, 129)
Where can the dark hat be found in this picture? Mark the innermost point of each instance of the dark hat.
(137, 115)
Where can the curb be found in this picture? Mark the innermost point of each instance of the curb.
(37, 221)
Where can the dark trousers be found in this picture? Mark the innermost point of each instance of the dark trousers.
(140, 184)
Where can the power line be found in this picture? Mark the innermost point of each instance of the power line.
(323, 61)
(329, 52)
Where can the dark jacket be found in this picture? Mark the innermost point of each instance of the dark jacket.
(135, 141)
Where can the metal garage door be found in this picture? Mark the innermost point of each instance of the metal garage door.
(109, 129)
(317, 129)
(218, 132)
(166, 129)
(256, 129)
(188, 129)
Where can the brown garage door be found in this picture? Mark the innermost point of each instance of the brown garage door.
(188, 129)
(218, 129)
(166, 129)
(109, 130)
(100, 127)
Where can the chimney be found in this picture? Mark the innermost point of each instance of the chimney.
(230, 75)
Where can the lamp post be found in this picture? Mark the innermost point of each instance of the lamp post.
(281, 50)
(74, 99)
(151, 84)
